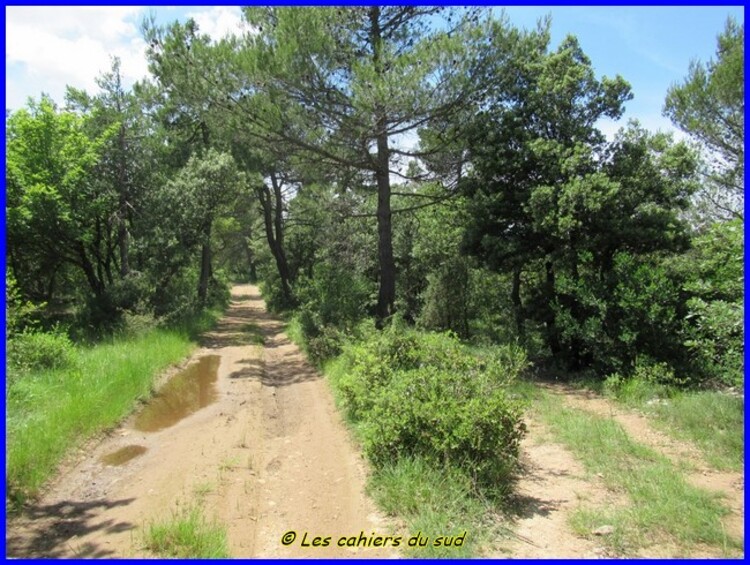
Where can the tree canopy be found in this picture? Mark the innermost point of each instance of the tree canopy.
(710, 107)
(427, 166)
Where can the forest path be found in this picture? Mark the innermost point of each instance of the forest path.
(554, 484)
(268, 456)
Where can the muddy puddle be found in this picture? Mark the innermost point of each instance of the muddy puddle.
(123, 455)
(187, 392)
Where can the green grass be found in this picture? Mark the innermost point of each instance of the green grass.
(713, 420)
(664, 507)
(434, 502)
(201, 490)
(229, 463)
(293, 330)
(196, 323)
(50, 412)
(187, 534)
(335, 369)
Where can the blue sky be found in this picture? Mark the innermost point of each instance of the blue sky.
(651, 47)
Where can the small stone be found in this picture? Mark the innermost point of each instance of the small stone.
(603, 530)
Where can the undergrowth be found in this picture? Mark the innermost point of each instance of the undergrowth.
(436, 501)
(437, 423)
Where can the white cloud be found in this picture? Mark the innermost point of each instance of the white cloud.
(50, 47)
(219, 21)
(101, 23)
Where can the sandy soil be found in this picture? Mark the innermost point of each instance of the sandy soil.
(552, 486)
(270, 456)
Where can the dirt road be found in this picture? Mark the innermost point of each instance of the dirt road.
(267, 455)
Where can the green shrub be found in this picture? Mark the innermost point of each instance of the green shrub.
(131, 293)
(19, 313)
(32, 350)
(656, 373)
(712, 330)
(272, 290)
(613, 384)
(333, 296)
(219, 293)
(635, 391)
(332, 303)
(136, 324)
(647, 380)
(325, 345)
(443, 417)
(715, 338)
(426, 395)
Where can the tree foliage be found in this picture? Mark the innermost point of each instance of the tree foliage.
(58, 215)
(710, 106)
(431, 165)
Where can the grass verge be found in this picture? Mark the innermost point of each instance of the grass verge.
(713, 420)
(187, 534)
(435, 502)
(293, 330)
(664, 508)
(49, 412)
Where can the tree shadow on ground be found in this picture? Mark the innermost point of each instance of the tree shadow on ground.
(54, 525)
(288, 370)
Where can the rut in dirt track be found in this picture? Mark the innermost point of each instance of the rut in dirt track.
(269, 456)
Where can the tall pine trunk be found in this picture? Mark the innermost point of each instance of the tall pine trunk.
(386, 263)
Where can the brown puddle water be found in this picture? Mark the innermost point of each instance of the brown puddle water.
(187, 392)
(122, 456)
